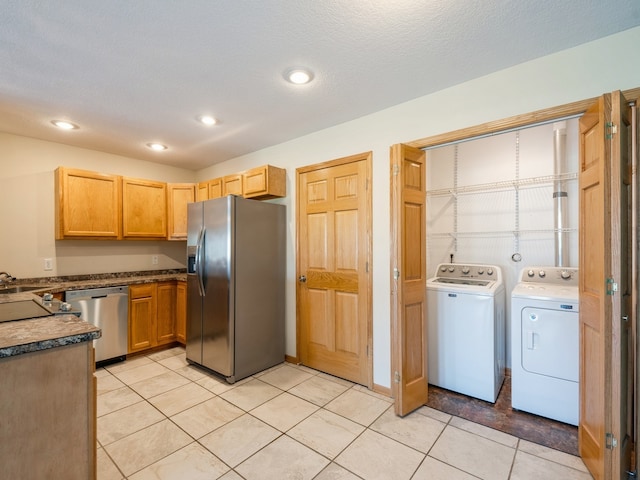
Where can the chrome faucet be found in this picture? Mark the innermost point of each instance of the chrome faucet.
(6, 278)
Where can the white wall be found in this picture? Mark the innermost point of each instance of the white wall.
(582, 72)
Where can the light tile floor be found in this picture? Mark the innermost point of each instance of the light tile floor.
(160, 418)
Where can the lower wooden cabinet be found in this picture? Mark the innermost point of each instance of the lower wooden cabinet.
(181, 312)
(157, 314)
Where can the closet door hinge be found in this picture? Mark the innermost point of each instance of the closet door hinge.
(610, 441)
(611, 130)
(396, 274)
(396, 170)
(611, 286)
(396, 377)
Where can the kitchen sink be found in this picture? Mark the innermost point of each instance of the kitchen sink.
(21, 288)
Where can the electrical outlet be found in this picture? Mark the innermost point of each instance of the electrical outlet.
(154, 259)
(48, 264)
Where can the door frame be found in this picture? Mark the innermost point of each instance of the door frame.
(525, 120)
(367, 157)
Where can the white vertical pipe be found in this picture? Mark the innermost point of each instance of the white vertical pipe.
(560, 195)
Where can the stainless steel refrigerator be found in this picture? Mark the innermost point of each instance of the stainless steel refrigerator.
(235, 285)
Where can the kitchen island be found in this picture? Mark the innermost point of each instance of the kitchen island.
(47, 396)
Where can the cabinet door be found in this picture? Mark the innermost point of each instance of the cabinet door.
(215, 188)
(142, 316)
(264, 182)
(232, 185)
(178, 196)
(166, 317)
(88, 204)
(144, 208)
(181, 312)
(202, 192)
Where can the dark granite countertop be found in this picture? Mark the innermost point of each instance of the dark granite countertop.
(30, 335)
(81, 282)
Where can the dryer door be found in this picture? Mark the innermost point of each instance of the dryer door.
(550, 342)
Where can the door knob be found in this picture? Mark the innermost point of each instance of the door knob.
(302, 278)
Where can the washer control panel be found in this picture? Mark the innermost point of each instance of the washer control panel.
(460, 270)
(551, 275)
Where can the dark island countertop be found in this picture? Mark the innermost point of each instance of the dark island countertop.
(34, 334)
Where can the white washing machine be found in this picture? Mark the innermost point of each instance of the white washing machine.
(466, 321)
(545, 343)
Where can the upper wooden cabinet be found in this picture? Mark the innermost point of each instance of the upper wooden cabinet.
(215, 188)
(144, 208)
(202, 191)
(232, 185)
(178, 196)
(264, 182)
(88, 204)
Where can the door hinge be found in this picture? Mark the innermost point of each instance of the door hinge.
(396, 377)
(396, 169)
(610, 441)
(631, 475)
(396, 274)
(612, 286)
(611, 130)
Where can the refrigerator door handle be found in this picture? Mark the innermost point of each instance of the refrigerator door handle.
(199, 264)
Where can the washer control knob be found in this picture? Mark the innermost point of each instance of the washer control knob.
(465, 270)
(489, 271)
(565, 274)
(443, 269)
(542, 274)
(480, 271)
(531, 273)
(452, 269)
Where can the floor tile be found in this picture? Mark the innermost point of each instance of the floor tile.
(140, 373)
(106, 469)
(207, 416)
(318, 390)
(251, 394)
(128, 364)
(214, 384)
(284, 411)
(170, 352)
(432, 469)
(107, 383)
(231, 475)
(527, 467)
(435, 414)
(285, 377)
(238, 440)
(554, 455)
(191, 372)
(326, 432)
(116, 399)
(475, 455)
(358, 406)
(486, 432)
(127, 420)
(180, 398)
(141, 449)
(373, 455)
(336, 472)
(193, 462)
(283, 458)
(175, 362)
(159, 384)
(414, 430)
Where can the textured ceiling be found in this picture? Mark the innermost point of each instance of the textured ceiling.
(132, 72)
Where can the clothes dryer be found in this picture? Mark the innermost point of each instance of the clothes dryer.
(545, 343)
(466, 326)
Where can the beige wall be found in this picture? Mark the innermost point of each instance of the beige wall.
(582, 72)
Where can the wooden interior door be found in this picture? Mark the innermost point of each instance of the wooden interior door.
(408, 257)
(605, 286)
(334, 268)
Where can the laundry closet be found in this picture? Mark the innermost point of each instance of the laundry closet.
(490, 200)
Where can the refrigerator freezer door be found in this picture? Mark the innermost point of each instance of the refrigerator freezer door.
(194, 297)
(218, 314)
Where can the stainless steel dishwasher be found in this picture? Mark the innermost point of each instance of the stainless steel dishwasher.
(106, 308)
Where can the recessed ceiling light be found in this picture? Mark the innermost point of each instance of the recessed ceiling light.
(298, 76)
(158, 147)
(64, 125)
(207, 120)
